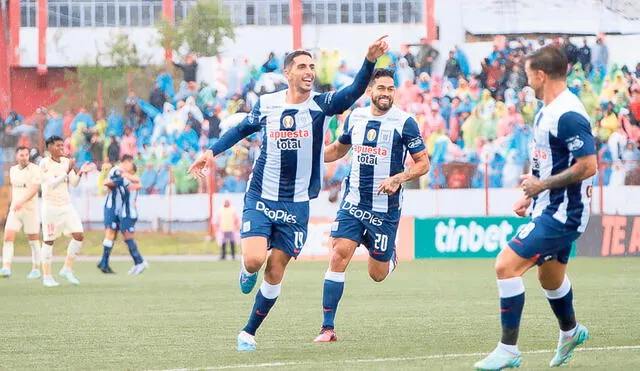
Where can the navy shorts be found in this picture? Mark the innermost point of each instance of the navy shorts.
(283, 224)
(375, 230)
(111, 219)
(544, 239)
(128, 225)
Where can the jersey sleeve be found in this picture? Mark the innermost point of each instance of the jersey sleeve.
(334, 103)
(249, 125)
(411, 137)
(345, 137)
(575, 131)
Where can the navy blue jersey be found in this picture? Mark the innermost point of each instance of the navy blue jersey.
(380, 145)
(290, 165)
(113, 201)
(562, 133)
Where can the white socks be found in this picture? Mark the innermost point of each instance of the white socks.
(334, 276)
(35, 252)
(269, 291)
(510, 287)
(7, 252)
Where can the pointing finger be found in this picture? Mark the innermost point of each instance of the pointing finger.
(381, 38)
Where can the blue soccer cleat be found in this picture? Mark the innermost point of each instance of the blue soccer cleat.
(568, 344)
(5, 272)
(247, 282)
(499, 359)
(246, 342)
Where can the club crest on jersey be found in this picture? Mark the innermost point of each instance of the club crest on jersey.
(385, 135)
(371, 135)
(287, 122)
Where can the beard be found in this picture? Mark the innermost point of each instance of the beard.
(382, 106)
(539, 92)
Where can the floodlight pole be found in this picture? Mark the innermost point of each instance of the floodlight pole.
(295, 15)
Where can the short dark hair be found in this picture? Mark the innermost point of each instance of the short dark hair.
(550, 60)
(380, 72)
(288, 60)
(52, 139)
(126, 158)
(22, 148)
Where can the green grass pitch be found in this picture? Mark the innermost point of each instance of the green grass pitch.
(187, 315)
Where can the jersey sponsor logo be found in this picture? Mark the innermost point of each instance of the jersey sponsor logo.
(367, 159)
(246, 226)
(415, 143)
(289, 139)
(574, 143)
(372, 134)
(365, 216)
(275, 215)
(539, 153)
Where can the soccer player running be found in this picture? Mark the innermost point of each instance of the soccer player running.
(380, 136)
(25, 181)
(286, 175)
(559, 186)
(58, 214)
(121, 214)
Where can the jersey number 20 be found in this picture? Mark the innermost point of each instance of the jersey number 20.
(381, 242)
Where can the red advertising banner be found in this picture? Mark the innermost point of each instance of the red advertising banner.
(611, 235)
(318, 246)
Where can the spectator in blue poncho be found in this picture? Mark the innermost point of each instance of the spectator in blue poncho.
(148, 179)
(115, 124)
(53, 127)
(83, 116)
(163, 179)
(165, 83)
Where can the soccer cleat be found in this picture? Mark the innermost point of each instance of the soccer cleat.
(106, 270)
(568, 344)
(5, 272)
(327, 335)
(246, 342)
(68, 274)
(248, 282)
(48, 281)
(34, 274)
(139, 268)
(499, 359)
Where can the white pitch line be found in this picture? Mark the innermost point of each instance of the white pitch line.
(393, 359)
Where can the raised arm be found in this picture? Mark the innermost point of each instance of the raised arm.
(338, 102)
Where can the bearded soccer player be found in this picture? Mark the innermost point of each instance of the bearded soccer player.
(58, 214)
(559, 191)
(286, 175)
(380, 136)
(23, 213)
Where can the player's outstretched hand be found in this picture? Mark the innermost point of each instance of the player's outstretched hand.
(201, 162)
(72, 164)
(531, 185)
(377, 49)
(521, 206)
(389, 186)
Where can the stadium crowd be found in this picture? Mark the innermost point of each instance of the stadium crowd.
(477, 126)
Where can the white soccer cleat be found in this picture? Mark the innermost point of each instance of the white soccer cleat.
(68, 275)
(140, 268)
(246, 342)
(48, 281)
(5, 272)
(34, 274)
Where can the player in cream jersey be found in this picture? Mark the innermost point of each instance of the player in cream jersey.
(58, 214)
(23, 213)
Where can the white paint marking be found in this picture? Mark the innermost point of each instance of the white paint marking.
(393, 359)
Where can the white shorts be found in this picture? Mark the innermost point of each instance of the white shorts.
(23, 218)
(60, 220)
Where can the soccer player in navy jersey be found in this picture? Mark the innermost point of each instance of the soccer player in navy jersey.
(286, 175)
(559, 187)
(380, 137)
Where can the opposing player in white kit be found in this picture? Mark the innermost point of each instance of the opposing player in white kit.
(23, 213)
(380, 137)
(58, 214)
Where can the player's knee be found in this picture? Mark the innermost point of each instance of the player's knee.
(273, 274)
(377, 275)
(339, 261)
(252, 263)
(78, 236)
(504, 270)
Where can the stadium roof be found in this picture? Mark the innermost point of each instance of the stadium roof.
(576, 17)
